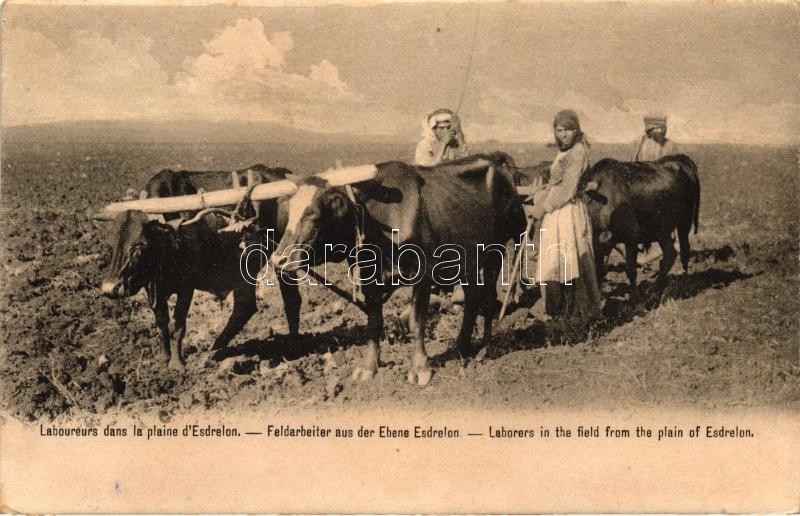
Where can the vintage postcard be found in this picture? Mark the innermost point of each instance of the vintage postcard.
(399, 257)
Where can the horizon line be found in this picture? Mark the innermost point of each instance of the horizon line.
(388, 138)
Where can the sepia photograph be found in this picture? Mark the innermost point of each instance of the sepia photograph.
(452, 257)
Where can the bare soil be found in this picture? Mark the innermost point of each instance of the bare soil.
(725, 336)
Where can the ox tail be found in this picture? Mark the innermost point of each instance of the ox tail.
(691, 170)
(696, 207)
(688, 167)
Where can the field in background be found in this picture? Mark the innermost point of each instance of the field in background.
(727, 336)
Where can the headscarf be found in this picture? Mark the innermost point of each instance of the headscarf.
(568, 119)
(653, 121)
(441, 115)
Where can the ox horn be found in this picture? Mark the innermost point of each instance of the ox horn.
(349, 175)
(489, 177)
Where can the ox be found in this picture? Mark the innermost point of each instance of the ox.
(466, 203)
(641, 203)
(170, 258)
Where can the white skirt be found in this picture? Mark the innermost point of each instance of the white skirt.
(565, 246)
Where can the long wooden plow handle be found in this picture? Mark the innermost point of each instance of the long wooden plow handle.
(512, 281)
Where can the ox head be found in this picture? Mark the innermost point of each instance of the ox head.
(138, 245)
(608, 209)
(318, 215)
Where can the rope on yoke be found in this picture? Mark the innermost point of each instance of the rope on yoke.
(236, 219)
(202, 193)
(202, 213)
(247, 202)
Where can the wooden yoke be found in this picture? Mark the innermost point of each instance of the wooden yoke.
(230, 197)
(203, 200)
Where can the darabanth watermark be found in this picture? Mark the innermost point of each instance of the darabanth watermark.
(366, 263)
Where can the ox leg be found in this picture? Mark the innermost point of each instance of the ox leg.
(421, 371)
(601, 254)
(491, 271)
(178, 329)
(631, 253)
(369, 367)
(667, 261)
(683, 238)
(244, 306)
(291, 305)
(464, 338)
(161, 313)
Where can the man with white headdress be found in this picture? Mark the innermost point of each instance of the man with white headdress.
(442, 139)
(654, 145)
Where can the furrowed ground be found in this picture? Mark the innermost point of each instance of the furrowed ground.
(726, 335)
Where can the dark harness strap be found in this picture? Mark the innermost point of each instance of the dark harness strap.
(358, 215)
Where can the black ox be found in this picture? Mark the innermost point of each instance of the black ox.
(172, 258)
(642, 203)
(462, 203)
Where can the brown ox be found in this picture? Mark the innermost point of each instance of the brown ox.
(467, 203)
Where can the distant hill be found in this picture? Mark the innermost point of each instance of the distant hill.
(243, 132)
(184, 131)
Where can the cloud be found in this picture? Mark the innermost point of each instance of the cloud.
(92, 77)
(283, 41)
(326, 73)
(526, 115)
(242, 74)
(702, 111)
(242, 50)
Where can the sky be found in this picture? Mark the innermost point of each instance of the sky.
(720, 72)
